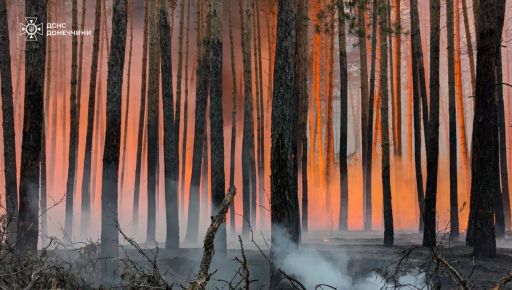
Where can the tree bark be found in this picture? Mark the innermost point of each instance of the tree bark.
(366, 116)
(233, 122)
(10, 170)
(142, 114)
(505, 191)
(454, 207)
(397, 83)
(432, 147)
(184, 138)
(302, 74)
(501, 198)
(343, 219)
(248, 162)
(91, 120)
(216, 119)
(153, 119)
(35, 54)
(419, 92)
(171, 159)
(285, 216)
(73, 133)
(485, 182)
(384, 119)
(202, 85)
(109, 192)
(127, 106)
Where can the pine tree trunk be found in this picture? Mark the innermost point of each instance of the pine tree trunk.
(454, 207)
(261, 121)
(233, 122)
(127, 106)
(8, 124)
(216, 119)
(366, 115)
(153, 119)
(35, 54)
(384, 119)
(343, 219)
(432, 147)
(302, 74)
(73, 133)
(460, 99)
(469, 43)
(142, 116)
(329, 134)
(170, 142)
(285, 216)
(485, 182)
(499, 197)
(91, 120)
(109, 192)
(397, 76)
(202, 84)
(418, 93)
(505, 191)
(184, 138)
(248, 166)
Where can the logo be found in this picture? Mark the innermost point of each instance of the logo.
(31, 29)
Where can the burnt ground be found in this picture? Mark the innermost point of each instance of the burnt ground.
(353, 260)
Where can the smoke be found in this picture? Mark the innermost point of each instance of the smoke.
(315, 266)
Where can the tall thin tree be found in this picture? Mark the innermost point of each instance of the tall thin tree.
(171, 168)
(8, 123)
(454, 210)
(485, 180)
(109, 189)
(153, 119)
(35, 54)
(142, 114)
(386, 174)
(73, 133)
(342, 43)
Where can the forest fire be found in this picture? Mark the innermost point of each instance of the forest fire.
(325, 140)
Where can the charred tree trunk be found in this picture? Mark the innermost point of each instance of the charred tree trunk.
(35, 54)
(184, 138)
(142, 114)
(153, 119)
(384, 119)
(73, 133)
(248, 162)
(285, 216)
(485, 181)
(171, 159)
(499, 198)
(419, 92)
(302, 85)
(505, 192)
(86, 182)
(216, 119)
(202, 85)
(454, 206)
(343, 219)
(8, 124)
(109, 194)
(366, 114)
(127, 106)
(397, 69)
(233, 122)
(432, 147)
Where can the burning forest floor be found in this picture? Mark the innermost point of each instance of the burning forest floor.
(352, 260)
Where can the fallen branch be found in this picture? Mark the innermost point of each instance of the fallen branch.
(453, 272)
(505, 280)
(243, 263)
(209, 248)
